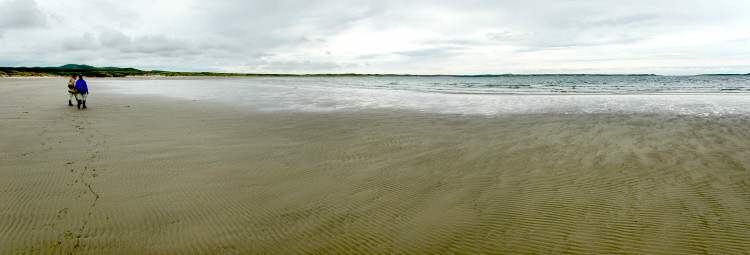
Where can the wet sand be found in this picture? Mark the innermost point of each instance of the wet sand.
(145, 175)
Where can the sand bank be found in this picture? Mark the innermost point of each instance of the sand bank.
(147, 175)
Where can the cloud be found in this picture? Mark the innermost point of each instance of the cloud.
(625, 20)
(114, 39)
(267, 24)
(291, 66)
(159, 45)
(395, 36)
(84, 41)
(301, 66)
(20, 14)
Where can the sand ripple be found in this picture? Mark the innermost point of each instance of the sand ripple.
(182, 178)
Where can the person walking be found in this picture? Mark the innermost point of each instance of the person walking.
(83, 90)
(72, 90)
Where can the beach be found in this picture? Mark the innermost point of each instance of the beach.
(141, 174)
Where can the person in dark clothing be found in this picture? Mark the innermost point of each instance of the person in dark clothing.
(83, 90)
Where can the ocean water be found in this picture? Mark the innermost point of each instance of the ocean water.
(686, 95)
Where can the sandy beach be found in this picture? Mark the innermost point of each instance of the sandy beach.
(147, 175)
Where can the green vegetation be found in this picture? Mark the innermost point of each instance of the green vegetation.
(90, 71)
(70, 69)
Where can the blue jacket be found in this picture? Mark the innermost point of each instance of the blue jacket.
(81, 87)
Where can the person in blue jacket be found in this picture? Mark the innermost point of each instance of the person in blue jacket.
(83, 90)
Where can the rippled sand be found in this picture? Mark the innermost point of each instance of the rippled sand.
(141, 175)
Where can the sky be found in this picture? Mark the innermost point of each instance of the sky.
(670, 37)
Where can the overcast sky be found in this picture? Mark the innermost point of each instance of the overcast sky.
(371, 36)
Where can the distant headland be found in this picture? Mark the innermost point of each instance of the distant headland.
(91, 71)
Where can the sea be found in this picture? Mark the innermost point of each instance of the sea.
(702, 95)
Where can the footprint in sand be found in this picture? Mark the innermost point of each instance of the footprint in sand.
(62, 213)
(59, 216)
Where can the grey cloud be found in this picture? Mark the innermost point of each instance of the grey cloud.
(114, 39)
(499, 36)
(577, 30)
(20, 14)
(404, 58)
(158, 45)
(262, 35)
(85, 41)
(368, 57)
(267, 24)
(301, 66)
(172, 51)
(432, 53)
(642, 19)
(539, 25)
(298, 66)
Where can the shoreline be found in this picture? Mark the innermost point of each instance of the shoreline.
(157, 175)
